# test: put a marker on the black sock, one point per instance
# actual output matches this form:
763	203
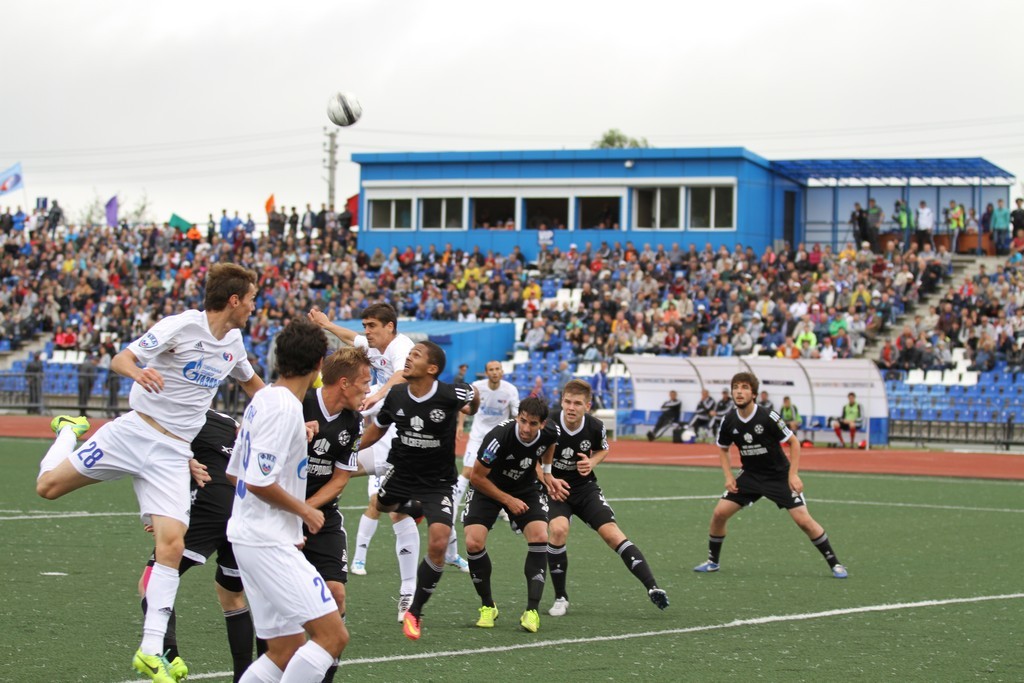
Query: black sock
329	676
715	547
535	569
825	548
558	566
480	572
636	563
240	636
427	577
170	636
261	647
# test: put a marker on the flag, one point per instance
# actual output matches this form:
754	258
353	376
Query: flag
270	204
180	223
112	211
10	179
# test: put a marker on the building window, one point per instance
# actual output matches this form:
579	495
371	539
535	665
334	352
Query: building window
391	214
711	208
600	213
657	207
550	212
441	213
494	213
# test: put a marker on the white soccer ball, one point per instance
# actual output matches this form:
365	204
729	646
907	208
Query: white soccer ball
343	109
689	436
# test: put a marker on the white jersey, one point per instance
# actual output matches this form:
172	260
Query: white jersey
384	365
270	448
496	406
192	362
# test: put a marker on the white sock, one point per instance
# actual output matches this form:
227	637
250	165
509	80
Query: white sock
160	593
263	670
407	548
308	665
453	547
367	528
63	446
460	490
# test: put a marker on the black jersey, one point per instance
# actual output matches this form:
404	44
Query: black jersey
705	406
335	445
759	440
212	446
591	436
723	406
424	449
512	463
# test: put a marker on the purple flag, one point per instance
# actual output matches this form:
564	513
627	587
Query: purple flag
112	212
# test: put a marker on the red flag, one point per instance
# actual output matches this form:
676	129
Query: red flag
270	204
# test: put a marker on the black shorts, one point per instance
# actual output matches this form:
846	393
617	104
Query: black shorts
327	550
208	528
437	503
482	509
753	487
587	503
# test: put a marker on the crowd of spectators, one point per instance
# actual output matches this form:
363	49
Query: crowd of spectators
95	288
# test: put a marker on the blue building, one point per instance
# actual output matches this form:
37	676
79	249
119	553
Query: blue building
721	196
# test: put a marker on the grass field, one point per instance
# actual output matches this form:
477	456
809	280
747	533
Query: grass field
934	592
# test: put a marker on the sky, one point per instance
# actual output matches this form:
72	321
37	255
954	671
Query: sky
201	106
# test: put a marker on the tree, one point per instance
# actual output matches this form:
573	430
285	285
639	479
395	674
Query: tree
613	138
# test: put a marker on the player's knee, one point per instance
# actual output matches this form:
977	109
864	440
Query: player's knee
169	550
336	640
557	535
474	544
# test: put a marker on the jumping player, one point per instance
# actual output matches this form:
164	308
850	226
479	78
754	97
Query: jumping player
758	434
332	411
289	599
504	477
421	465
185	358
582	445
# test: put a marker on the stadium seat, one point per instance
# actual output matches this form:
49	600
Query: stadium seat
968	379
933	377
915	377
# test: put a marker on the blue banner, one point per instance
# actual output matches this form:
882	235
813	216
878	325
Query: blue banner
10	179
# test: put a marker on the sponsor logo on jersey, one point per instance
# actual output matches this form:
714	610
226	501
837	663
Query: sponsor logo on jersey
321	446
490	453
747	437
416	423
196	373
227	356
540	450
302	468
149	341
437	415
585	445
266	462
758	429
525	463
344	438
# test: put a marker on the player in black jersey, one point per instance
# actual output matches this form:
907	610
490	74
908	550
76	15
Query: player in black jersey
582	444
766	472
421	465
331	413
207	532
504	477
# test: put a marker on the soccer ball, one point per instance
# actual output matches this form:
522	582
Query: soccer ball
343	109
689	436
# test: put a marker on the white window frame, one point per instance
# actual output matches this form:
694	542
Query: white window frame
659	187
392	200
714	186
444	211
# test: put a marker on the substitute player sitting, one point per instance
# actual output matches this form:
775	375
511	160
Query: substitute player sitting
504	477
288	597
583	444
766	473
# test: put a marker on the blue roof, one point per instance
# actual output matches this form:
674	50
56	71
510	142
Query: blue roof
973	169
645	153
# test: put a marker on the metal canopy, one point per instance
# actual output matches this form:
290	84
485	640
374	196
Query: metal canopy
885	171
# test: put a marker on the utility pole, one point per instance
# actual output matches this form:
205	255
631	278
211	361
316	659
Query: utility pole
331	162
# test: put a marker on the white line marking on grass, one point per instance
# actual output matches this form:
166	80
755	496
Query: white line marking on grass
757	621
52	574
922	506
69	515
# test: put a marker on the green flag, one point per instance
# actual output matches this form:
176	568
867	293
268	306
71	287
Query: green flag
179	223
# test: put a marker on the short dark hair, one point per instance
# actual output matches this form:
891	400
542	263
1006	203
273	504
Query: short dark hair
225	280
383	312
435	355
345	362
299	347
578	386
747	378
531	405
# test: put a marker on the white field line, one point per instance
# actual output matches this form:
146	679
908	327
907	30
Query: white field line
655	499
757	621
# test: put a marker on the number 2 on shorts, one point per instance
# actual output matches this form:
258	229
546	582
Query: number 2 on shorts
324	594
90	454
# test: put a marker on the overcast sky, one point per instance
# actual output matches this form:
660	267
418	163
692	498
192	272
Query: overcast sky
217	104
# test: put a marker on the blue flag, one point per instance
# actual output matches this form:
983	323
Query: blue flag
10	179
112	211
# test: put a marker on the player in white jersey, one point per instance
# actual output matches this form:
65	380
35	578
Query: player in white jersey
499	401
286	594
184	357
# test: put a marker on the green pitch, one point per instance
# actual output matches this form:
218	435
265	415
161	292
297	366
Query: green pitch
913	546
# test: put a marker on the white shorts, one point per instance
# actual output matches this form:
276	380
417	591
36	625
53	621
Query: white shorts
283	588
374	460
472	447
157	463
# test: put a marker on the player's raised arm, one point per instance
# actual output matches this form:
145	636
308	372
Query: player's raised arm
343	333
